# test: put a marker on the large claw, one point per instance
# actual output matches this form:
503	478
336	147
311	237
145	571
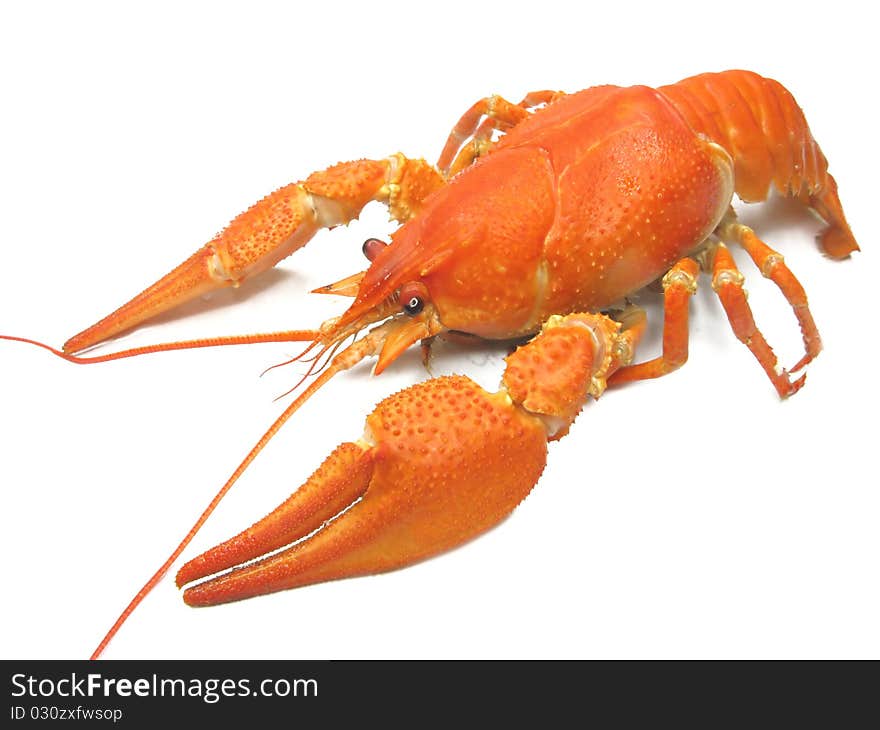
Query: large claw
439	463
271	230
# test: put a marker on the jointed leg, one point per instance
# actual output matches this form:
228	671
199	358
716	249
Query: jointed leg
727	282
772	266
472	135
679	284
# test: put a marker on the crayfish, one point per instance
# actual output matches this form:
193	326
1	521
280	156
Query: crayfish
541	219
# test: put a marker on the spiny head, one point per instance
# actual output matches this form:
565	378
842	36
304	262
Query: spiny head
392	291
469	261
405	286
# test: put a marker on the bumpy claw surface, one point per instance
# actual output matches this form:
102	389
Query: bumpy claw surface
271	230
439	463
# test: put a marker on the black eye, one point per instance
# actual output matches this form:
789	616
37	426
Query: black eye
372	247
413	297
413	305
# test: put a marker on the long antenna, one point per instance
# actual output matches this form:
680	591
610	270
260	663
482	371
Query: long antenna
285	336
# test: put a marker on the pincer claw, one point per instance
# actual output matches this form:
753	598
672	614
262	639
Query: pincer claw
269	231
448	461
440	463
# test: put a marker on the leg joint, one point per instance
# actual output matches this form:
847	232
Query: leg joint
725	277
680	278
770	263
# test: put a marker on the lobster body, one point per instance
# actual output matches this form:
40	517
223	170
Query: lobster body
574	209
599	194
579	205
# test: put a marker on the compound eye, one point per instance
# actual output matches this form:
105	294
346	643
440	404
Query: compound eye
413	305
413	297
372	247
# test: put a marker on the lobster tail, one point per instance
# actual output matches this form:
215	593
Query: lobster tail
760	124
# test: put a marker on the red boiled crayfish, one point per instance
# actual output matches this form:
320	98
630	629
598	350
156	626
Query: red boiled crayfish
539	217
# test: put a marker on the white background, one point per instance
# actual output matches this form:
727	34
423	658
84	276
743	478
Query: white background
693	516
